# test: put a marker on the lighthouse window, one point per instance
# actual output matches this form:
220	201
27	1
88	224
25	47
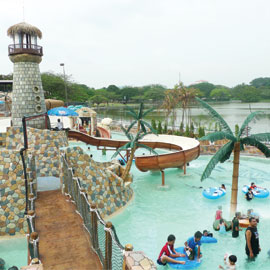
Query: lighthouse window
36	89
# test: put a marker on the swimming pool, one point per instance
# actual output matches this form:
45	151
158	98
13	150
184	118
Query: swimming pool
13	250
181	209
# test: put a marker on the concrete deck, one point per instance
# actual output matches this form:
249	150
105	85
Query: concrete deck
64	243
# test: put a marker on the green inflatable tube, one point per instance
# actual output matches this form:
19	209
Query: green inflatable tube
228	225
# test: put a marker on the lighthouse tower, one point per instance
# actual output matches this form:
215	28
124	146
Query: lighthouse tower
27	94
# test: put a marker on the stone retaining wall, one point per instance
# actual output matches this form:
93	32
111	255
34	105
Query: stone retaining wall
44	144
212	149
2	139
12	193
105	188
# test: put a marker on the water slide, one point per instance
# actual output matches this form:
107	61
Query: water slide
104	133
182	149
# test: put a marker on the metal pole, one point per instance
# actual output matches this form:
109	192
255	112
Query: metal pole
63	65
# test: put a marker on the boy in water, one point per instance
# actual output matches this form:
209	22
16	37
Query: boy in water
252	185
168	253
207	234
230	265
193	246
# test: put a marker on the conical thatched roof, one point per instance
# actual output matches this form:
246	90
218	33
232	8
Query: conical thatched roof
25	28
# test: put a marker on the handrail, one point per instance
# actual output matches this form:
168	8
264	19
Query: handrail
25	48
102	244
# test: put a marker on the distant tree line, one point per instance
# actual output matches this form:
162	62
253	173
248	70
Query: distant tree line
54	87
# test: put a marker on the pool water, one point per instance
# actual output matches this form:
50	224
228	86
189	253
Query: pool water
180	209
13	251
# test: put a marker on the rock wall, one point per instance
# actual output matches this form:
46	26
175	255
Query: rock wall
44	144
28	96
212	149
105	188
12	193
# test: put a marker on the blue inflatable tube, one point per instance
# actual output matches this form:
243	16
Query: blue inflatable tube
188	265
213	193
258	192
208	239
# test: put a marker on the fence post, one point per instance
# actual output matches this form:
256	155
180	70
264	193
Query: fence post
94	226
108	247
30	218
33	239
128	247
31	201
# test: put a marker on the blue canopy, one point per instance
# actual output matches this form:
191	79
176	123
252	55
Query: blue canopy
62	111
2	102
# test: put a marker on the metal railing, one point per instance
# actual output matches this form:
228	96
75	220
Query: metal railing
102	234
25	48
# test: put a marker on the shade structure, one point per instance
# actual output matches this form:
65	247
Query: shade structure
62	111
86	112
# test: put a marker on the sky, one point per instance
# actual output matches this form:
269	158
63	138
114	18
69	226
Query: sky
141	42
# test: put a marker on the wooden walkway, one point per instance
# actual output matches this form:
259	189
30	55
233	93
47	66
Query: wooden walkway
63	242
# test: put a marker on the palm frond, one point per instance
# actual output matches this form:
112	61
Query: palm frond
228	154
131	125
147	147
219	135
252	141
128	135
148	111
149	126
134	114
215	115
142	126
221	154
143	135
248	120
140	114
261	136
122	148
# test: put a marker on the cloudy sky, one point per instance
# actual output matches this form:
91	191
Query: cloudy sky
139	42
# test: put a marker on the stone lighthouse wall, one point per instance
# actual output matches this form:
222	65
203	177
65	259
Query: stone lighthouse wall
28	97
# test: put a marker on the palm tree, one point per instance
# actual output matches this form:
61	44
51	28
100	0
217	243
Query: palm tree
236	143
138	118
133	144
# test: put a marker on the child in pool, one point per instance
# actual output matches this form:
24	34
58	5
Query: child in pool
168	253
230	264
207	234
193	246
222	226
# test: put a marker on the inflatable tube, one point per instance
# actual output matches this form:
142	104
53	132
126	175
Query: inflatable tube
258	192
228	225
213	193
188	265
208	239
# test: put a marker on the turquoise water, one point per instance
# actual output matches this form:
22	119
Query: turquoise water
14	251
180	209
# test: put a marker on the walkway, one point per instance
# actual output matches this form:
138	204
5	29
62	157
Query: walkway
64	243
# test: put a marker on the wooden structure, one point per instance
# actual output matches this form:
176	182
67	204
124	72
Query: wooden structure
63	243
176	159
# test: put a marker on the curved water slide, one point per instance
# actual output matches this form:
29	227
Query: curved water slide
104	133
182	149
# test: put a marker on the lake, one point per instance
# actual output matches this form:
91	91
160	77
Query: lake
232	112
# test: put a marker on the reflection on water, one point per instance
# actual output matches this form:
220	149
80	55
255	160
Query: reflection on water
233	113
